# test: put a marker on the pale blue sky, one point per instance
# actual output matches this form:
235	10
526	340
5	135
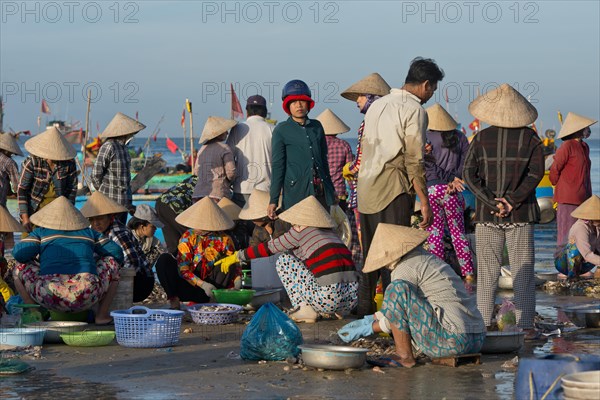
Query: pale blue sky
194	49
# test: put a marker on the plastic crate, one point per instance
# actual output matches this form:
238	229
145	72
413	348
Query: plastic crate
144	327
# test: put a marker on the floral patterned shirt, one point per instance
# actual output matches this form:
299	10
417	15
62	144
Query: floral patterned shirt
197	254
179	197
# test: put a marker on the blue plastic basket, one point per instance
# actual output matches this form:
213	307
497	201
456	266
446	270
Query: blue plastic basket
144	327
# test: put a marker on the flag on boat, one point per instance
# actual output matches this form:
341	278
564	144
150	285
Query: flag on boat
236	107
560	117
172	146
183	119
45	107
474	126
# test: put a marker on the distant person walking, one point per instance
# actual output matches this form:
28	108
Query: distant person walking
570	172
504	165
391	170
251	145
111	174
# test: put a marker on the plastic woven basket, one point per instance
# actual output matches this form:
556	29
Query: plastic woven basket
144	327
206	317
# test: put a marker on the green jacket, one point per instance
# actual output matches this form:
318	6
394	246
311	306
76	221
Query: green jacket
295	151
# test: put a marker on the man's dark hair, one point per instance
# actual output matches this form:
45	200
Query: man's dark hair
424	69
255	109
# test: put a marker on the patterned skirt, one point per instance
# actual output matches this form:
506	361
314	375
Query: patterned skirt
570	262
411	313
67	292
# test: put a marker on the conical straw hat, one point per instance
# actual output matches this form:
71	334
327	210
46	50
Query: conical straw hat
574	123
589	209
8	223
100	204
309	212
51	145
231	209
373	84
332	124
439	119
390	243
503	107
60	214
121	125
205	215
9	143
214	127
256	206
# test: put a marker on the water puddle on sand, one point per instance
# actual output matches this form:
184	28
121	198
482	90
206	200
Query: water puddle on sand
38	385
505	389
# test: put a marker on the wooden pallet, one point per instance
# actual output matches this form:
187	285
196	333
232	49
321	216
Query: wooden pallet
455	361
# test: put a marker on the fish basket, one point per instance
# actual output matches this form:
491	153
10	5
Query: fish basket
215	313
144	327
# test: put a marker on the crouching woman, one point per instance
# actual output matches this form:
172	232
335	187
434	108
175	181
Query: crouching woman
319	276
426	302
68	276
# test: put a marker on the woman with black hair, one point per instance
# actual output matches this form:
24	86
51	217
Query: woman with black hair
446	149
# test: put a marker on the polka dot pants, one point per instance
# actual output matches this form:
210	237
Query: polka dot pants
448	210
302	288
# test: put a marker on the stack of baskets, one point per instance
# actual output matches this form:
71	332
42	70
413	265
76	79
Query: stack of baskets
202	313
144	327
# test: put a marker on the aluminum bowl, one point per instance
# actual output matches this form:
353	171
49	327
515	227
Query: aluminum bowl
55	328
587	316
547	211
333	357
503	342
547	276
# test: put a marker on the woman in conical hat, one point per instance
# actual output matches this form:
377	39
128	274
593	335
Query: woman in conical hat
102	213
191	274
570	172
581	253
265	228
9	172
443	172
67	278
47	173
111	174
7	225
319	276
426	303
215	166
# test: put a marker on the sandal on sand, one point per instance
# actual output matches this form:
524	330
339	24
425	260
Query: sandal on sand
384	362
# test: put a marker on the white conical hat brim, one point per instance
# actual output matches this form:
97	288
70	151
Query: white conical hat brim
390	243
440	119
8	223
122	125
589	209
205	215
100	204
574	123
61	215
231	209
51	145
214	127
372	84
332	124
9	143
256	206
503	107
308	212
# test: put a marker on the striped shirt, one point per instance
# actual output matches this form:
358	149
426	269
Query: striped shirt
65	252
111	174
507	163
456	310
9	174
325	256
36	176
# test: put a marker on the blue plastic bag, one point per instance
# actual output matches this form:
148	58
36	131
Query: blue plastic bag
271	335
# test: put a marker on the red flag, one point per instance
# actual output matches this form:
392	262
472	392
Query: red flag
474	126
172	146
26	132
236	107
154	137
183	119
45	107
